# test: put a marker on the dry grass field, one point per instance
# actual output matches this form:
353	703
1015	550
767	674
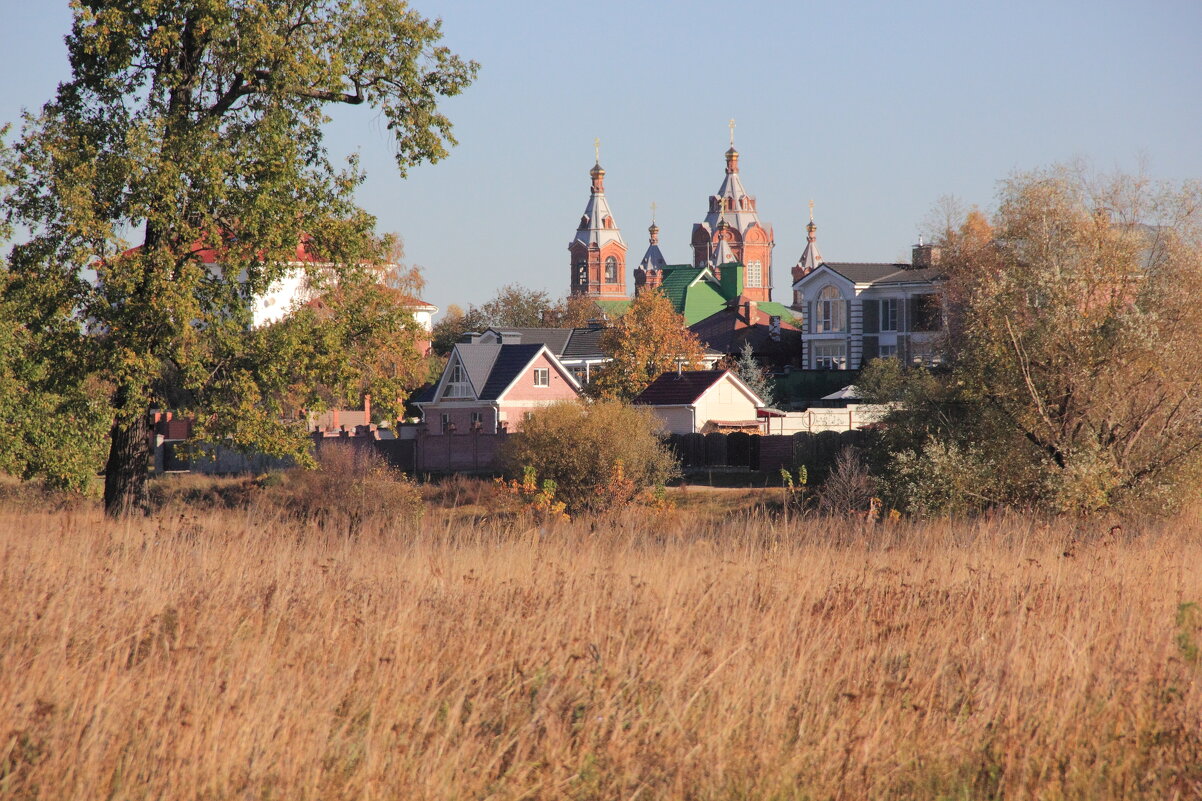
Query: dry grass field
237	654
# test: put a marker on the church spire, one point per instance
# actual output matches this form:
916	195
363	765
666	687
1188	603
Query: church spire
653	259
598	254
733	232
811	257
649	273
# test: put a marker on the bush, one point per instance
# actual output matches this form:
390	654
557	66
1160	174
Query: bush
849	488
942	480
600	455
352	490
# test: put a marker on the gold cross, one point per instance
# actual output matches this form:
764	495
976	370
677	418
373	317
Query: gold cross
811	211
732	131
653	212
597	148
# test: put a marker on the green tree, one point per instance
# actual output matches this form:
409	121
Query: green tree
600	455
648	340
194	125
514	306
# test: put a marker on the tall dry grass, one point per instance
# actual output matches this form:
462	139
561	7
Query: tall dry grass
233	654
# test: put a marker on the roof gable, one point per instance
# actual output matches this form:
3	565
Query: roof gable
512	362
686	388
477	360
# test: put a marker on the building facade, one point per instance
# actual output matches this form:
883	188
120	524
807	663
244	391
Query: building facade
855	312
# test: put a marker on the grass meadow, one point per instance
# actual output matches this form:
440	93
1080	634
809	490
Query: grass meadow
712	652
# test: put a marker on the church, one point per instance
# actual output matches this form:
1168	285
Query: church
845	314
730	233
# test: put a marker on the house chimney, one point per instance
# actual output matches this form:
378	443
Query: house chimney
334	419
367	409
923	256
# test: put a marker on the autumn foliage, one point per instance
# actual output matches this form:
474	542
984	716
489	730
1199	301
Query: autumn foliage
648	340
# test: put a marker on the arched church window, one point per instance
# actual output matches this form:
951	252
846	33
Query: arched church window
831	315
611	270
581	268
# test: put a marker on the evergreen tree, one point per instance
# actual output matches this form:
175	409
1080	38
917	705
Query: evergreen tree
754	376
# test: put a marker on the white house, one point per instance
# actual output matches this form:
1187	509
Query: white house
855	312
703	401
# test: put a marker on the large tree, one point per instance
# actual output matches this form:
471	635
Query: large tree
645	342
194	127
1076	377
514	306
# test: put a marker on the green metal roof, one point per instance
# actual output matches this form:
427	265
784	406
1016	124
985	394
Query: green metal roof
779	309
613	308
693	292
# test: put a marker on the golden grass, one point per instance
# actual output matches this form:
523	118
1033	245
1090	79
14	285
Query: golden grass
233	654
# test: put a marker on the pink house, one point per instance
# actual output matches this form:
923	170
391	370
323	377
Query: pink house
491	387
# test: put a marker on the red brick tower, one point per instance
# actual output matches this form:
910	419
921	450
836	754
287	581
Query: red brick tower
598	254
732	231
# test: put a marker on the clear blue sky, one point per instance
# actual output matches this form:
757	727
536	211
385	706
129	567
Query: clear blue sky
873	109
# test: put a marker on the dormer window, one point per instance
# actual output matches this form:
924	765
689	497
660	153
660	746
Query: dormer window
458	385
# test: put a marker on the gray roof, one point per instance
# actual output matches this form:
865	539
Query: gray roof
556	339
876	273
509	364
584	343
492	368
593	230
478	361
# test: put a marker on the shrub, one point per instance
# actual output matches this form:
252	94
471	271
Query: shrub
848	488
353	489
600	455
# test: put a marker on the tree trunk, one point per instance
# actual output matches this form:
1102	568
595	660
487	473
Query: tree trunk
125	473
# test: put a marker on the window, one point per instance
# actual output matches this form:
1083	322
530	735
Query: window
458	385
887	351
477	421
755	274
830	314
830	356
542	376
611	270
579	374
446	422
889	314
582	272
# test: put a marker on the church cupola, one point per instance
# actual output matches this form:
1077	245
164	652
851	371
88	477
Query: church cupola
649	273
732	231
598	254
811	257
